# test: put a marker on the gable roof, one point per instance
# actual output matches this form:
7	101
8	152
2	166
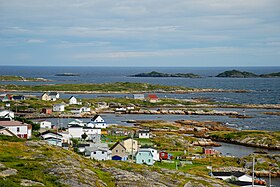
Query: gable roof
12	123
72	97
144	131
152	96
49	132
95	117
6	129
115	145
53	93
224	174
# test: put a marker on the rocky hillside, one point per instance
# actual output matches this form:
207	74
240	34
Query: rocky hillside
34	163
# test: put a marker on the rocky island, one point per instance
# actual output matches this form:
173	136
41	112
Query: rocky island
237	74
244	74
158	74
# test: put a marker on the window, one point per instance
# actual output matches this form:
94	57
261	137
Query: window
149	160
117	151
143	161
18	129
94	152
103	152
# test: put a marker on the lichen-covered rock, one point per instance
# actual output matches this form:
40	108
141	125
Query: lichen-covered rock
25	182
8	172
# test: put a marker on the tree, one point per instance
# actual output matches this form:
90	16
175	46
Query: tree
84	136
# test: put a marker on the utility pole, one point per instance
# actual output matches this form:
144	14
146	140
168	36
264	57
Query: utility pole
132	147
253	174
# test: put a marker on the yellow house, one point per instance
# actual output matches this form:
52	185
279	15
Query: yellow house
45	97
127	143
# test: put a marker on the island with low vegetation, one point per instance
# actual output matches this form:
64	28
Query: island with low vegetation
14	78
237	74
158	74
271	75
117	87
244	74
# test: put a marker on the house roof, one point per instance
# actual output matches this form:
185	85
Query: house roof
12	123
75	126
59	105
90	128
95	117
224	174
72	97
52	138
53	93
152	96
18	97
227	174
115	145
238	173
244	183
6	129
144	131
49	132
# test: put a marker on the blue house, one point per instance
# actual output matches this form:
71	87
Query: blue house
144	157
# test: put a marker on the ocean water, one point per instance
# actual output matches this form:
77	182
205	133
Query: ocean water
263	90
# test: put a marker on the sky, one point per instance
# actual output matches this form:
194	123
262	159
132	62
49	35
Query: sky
187	33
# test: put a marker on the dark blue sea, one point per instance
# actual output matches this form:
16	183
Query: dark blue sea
262	90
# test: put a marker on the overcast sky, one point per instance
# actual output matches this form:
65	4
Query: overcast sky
140	32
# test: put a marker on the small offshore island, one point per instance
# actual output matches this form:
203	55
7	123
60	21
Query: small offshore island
245	74
158	74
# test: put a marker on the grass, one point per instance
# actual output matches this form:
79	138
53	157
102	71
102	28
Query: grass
105	87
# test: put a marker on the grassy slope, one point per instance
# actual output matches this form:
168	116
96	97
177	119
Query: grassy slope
106	87
46	164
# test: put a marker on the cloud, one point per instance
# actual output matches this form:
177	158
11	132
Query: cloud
121	29
35	41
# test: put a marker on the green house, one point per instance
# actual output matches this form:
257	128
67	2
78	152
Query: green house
144	157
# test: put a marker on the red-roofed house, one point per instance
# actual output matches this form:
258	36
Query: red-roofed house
22	130
153	98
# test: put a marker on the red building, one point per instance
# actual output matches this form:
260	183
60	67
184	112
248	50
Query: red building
47	110
163	155
208	151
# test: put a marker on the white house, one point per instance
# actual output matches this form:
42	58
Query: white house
98	122
80	110
236	176
7	114
76	131
22	130
59	108
99	151
139	96
54	95
73	100
144	133
6	131
153	151
44	124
